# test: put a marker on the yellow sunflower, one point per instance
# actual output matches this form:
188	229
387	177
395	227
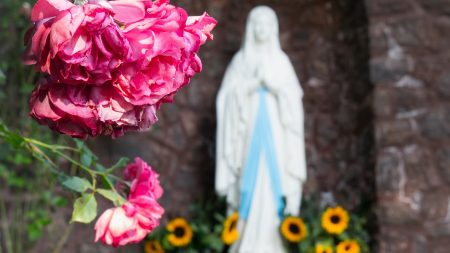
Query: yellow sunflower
180	232
320	248
230	233
348	246
153	246
293	229
335	220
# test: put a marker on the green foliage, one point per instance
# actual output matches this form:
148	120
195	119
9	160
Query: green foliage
39	220
113	196
33	160
84	208
29	189
81	173
77	184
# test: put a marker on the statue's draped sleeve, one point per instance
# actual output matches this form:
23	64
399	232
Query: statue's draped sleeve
228	146
292	116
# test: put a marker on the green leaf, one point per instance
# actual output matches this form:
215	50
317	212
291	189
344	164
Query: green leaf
121	163
77	184
86	159
79	143
111	195
86	155
84	209
14	139
100	167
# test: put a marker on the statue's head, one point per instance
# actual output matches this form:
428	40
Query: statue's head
263	24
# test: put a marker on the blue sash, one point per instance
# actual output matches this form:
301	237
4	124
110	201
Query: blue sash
261	141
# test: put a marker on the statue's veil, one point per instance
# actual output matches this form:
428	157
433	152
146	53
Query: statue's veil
272	46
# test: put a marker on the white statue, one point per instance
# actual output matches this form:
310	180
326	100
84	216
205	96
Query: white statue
261	164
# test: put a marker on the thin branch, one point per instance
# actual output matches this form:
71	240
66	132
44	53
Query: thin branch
63	239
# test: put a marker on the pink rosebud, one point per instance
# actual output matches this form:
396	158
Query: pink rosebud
76	43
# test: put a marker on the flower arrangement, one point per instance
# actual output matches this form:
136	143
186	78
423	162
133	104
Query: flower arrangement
206	231
325	229
330	229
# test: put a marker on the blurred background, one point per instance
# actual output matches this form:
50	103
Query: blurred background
376	78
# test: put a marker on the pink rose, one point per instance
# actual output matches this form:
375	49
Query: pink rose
165	42
158	31
110	64
76	43
144	180
66	109
148	211
117	116
87	110
131	222
150	84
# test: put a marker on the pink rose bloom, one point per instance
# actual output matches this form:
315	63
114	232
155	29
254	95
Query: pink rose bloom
66	109
110	64
165	42
76	43
131	222
117	116
156	30
144	180
87	110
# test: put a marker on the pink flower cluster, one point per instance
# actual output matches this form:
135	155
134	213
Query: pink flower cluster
131	222
110	64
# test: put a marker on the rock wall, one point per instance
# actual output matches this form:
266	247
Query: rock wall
410	63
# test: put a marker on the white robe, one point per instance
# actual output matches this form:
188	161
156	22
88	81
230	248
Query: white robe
236	112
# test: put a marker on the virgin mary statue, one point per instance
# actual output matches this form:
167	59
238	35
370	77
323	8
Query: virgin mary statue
260	163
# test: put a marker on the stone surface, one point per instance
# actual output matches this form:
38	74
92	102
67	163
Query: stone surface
409	68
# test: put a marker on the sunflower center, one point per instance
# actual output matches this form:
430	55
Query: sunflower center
347	248
232	226
152	246
335	219
294	229
179	232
